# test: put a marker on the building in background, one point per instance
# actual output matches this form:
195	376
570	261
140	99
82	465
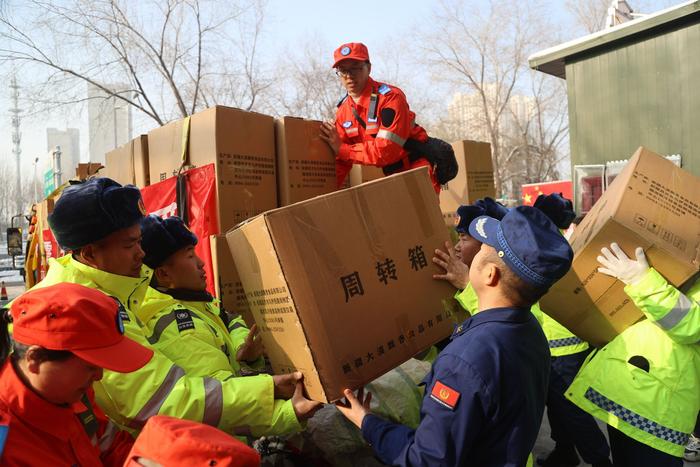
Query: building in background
109	122
69	142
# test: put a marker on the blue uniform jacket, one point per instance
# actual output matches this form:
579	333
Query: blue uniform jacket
484	397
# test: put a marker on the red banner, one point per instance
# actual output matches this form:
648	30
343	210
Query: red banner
200	183
532	190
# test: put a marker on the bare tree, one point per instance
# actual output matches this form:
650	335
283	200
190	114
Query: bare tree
309	88
589	14
535	146
172	55
483	53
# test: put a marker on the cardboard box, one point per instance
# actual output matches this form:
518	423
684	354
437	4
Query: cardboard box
341	285
142	176
119	165
85	170
128	164
305	163
227	283
360	174
473	181
165	147
652	204
240	144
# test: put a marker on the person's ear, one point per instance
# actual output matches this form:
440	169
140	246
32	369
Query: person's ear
492	275
87	255
32	356
369	67
162	276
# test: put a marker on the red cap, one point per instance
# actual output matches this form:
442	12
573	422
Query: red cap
81	320
174	442
351	51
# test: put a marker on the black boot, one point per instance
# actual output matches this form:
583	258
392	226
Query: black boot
560	457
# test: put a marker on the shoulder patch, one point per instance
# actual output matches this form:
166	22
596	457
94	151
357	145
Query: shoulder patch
444	395
342	99
183	317
383	89
123	315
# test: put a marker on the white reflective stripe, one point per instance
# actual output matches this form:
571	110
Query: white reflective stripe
393	137
152	407
213	401
372	127
351	130
677	313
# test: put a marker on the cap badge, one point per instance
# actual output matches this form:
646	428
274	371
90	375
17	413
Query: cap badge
345	51
480	227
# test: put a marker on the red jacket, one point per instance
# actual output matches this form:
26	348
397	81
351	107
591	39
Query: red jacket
381	142
38	432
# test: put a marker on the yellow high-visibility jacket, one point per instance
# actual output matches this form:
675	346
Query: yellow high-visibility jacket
164	387
646	381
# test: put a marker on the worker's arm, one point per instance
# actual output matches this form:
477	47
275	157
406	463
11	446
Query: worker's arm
676	313
447	430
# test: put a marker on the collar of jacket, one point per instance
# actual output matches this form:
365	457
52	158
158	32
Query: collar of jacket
512	315
187	295
32	409
128	290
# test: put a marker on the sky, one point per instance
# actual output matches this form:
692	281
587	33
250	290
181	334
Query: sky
287	23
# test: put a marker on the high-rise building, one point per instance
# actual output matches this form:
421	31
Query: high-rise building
69	142
469	119
109	121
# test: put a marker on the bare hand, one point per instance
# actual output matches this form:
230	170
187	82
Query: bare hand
252	348
303	408
355	408
330	136
285	385
456	272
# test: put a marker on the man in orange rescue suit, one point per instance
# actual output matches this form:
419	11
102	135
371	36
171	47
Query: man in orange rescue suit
373	120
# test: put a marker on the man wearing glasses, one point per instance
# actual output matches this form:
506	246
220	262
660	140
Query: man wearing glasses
373	122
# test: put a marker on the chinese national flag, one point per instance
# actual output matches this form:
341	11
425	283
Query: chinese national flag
532	190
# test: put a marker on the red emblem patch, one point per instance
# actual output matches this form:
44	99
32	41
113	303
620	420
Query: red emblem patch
445	395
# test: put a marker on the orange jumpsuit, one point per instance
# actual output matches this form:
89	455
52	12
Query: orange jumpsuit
37	432
387	129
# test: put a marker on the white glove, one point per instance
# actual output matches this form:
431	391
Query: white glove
616	264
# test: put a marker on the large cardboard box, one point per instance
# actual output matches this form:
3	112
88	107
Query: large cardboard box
341	285
119	165
305	163
227	283
128	164
653	204
474	179
360	174
165	150
240	144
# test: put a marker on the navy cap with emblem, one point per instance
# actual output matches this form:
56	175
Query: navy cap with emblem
90	211
559	209
528	242
160	238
